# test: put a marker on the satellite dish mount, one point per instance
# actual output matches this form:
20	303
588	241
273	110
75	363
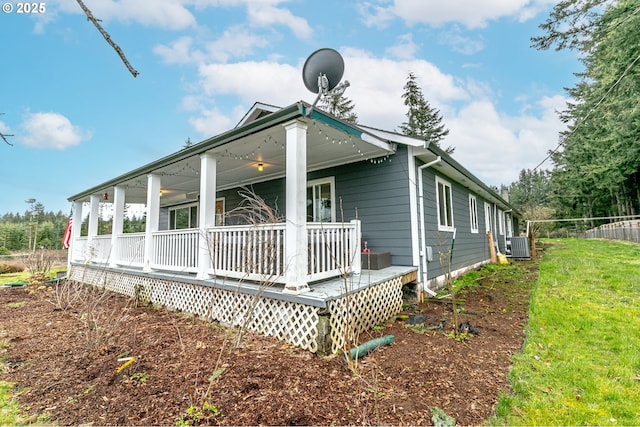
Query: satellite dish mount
321	74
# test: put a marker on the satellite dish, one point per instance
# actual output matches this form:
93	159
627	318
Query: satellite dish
323	70
321	74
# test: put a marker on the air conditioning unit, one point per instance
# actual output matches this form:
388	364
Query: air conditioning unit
518	247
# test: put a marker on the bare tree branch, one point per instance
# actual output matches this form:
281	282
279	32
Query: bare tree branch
5	135
107	37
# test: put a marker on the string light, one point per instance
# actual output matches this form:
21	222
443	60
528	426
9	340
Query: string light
352	141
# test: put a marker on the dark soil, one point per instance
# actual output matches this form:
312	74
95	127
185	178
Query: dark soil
64	364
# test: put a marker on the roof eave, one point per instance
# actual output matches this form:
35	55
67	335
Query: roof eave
281	116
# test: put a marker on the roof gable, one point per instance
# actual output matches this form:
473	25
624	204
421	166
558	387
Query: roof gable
257	111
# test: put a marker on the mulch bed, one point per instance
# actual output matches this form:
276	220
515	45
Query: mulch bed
64	364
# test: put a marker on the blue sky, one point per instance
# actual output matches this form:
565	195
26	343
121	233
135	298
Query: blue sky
79	118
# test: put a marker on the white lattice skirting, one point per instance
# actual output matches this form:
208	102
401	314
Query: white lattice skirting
357	312
293	322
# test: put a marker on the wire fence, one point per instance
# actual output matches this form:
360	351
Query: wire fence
622	230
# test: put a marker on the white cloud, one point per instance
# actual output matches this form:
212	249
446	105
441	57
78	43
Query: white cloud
4	128
405	48
169	14
211	122
51	130
235	42
471	14
376	86
178	52
253	81
496	146
373	15
265	15
460	43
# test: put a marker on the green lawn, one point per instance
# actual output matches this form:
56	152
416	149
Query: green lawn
581	362
23	276
9	409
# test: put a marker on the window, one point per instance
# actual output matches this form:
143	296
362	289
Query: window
183	217
186	216
473	213
509	221
445	205
488	218
320	200
219	212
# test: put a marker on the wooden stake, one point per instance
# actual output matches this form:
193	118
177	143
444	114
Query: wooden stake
492	249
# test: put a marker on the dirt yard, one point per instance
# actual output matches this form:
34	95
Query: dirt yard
68	365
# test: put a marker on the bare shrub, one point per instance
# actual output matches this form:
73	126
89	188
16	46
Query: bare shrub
255	211
64	295
11	267
101	316
40	261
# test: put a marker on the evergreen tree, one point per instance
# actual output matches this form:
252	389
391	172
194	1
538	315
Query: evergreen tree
597	163
340	106
423	121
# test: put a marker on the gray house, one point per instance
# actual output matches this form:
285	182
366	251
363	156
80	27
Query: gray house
349	215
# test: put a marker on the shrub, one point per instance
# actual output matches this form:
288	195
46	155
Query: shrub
4	251
11	267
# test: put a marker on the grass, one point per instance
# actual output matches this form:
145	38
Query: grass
9	409
580	364
23	276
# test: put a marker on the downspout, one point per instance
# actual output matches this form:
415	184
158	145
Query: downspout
423	237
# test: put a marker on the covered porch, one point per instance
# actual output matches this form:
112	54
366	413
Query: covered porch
309	243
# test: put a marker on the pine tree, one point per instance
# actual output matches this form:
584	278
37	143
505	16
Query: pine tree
423	121
340	106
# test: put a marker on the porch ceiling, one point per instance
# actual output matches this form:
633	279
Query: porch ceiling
238	162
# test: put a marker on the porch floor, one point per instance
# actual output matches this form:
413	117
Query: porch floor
318	296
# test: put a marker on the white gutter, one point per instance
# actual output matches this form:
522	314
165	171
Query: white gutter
423	237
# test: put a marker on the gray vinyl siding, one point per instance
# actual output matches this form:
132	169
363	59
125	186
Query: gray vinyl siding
469	248
163	219
378	192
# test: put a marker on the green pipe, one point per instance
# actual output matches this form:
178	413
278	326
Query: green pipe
14	284
367	347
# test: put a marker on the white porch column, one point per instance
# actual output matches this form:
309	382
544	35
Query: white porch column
207	211
94	212
118	222
76	226
296	241
153	217
92	229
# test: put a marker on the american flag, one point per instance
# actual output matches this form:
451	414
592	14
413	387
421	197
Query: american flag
66	238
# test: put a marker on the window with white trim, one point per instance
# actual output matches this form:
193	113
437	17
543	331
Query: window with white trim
186	216
488	218
321	200
473	213
509	221
445	205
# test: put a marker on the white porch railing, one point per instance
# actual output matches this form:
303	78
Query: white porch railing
246	252
257	252
97	249
334	249
175	250
130	249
